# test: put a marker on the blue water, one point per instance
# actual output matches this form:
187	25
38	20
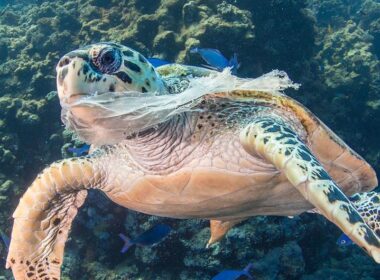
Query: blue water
330	47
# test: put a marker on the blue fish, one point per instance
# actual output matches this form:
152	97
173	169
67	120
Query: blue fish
5	239
157	62
80	151
344	240
216	59
234	274
151	236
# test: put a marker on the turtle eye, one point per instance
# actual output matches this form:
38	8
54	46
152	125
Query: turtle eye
108	60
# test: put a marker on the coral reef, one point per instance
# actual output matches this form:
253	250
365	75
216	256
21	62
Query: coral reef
358	71
347	68
330	46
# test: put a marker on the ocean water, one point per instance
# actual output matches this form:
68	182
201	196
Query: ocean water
330	47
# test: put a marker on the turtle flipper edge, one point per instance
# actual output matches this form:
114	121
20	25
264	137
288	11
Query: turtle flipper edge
219	229
43	218
272	140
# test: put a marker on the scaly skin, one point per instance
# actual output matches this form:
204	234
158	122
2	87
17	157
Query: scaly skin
238	155
43	218
273	140
368	205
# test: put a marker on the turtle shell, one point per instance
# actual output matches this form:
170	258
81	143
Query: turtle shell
348	169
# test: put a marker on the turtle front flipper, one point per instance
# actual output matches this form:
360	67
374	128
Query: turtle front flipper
274	141
43	218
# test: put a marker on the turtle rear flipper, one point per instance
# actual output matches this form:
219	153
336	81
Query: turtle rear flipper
271	139
368	205
43	218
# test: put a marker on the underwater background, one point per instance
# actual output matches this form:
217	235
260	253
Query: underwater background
331	47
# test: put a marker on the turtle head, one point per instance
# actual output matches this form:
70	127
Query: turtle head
104	67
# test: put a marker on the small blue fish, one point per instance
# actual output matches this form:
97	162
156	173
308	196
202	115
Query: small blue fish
344	240
234	274
151	236
157	62
80	151
5	239
216	59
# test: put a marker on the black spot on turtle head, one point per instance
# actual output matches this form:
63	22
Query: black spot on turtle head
64	61
128	53
134	67
143	89
62	75
86	68
142	59
124	77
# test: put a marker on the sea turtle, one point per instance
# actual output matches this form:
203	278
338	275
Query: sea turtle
186	142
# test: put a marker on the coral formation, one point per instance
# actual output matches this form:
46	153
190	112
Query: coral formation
331	47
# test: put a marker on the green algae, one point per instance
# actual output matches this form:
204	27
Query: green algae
347	59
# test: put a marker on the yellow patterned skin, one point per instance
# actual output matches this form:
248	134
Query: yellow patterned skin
273	140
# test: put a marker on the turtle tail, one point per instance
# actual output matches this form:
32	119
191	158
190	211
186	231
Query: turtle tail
43	218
